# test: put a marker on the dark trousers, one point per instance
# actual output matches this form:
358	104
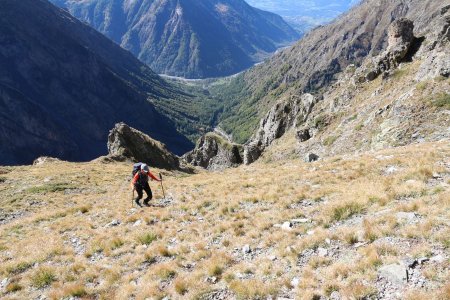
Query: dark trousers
143	187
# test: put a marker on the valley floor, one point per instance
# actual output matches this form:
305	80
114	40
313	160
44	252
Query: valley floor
368	225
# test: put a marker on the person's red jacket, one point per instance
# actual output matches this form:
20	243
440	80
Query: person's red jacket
141	173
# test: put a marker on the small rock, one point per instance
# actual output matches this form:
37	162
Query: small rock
422	260
406	216
335	296
303	135
137	223
359	244
246	249
114	223
436	176
410	262
310	157
212	279
286	226
295	281
322	252
438	258
328	241
272	257
304	220
290	249
391	170
310	232
396	273
4	283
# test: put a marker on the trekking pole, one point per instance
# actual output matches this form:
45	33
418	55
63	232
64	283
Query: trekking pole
162	187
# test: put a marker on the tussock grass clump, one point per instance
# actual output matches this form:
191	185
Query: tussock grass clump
165	272
13	287
441	101
116	243
252	289
344	211
43	277
180	286
75	290
147	238
19	268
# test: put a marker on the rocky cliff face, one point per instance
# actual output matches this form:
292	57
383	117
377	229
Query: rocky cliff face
214	152
191	38
283	116
63	86
125	142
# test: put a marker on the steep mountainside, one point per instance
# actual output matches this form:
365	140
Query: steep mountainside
312	63
63	86
391	100
189	38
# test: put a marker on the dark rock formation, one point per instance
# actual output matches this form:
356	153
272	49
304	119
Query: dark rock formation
190	38
303	135
310	157
125	142
63	85
213	152
283	116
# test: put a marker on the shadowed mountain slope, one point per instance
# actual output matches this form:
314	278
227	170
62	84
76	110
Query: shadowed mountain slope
63	86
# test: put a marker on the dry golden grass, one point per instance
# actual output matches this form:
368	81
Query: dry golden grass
62	242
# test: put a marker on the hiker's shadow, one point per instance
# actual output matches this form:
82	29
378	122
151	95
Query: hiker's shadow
156	205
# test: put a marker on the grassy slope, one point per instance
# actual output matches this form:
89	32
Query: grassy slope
60	241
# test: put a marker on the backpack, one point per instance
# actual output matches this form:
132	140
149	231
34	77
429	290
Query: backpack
136	168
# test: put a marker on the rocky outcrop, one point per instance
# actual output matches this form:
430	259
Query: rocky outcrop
283	116
213	152
44	160
400	40
125	143
436	59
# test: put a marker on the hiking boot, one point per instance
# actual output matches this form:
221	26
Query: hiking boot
138	203
146	201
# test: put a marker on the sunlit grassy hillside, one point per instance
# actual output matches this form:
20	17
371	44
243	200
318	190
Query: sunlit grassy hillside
273	229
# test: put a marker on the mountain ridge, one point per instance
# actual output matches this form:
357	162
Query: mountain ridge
191	38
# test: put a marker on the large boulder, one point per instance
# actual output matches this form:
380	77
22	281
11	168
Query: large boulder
125	142
214	152
400	42
283	116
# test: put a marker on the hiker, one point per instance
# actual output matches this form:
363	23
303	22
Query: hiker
140	184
